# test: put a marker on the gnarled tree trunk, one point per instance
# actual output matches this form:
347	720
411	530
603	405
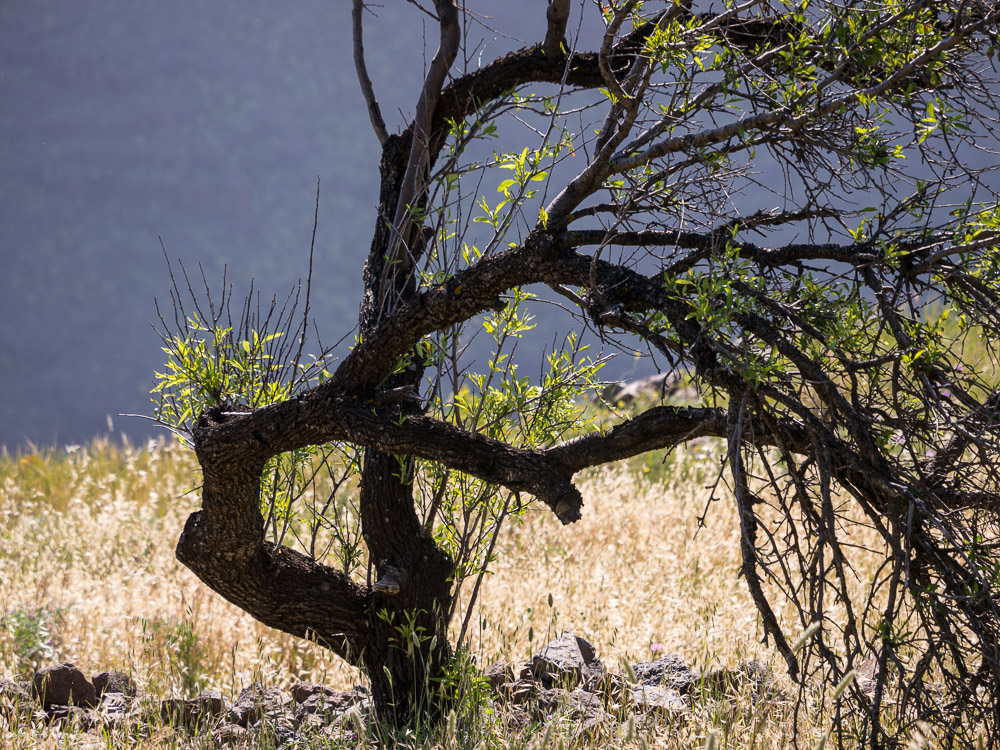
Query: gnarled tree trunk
877	411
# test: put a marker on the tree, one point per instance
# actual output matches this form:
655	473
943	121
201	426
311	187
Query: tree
789	203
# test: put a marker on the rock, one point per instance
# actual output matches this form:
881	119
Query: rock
670	672
750	675
14	699
660	386
586	709
327	701
80	718
115	710
113	703
302	691
499	675
63	685
560	663
115	682
580	706
519	692
324	707
666	702
228	734
310	722
195	712
255	702
587	649
515	719
866	676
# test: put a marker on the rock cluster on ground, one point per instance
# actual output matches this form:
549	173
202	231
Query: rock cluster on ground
566	678
662	386
110	700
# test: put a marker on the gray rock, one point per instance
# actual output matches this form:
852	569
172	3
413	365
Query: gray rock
228	734
80	718
115	682
653	699
14	699
519	692
670	672
63	685
660	386
255	702
197	711
753	675
113	703
515	719
302	691
560	663
499	675
581	707
587	649
322	708
116	710
586	709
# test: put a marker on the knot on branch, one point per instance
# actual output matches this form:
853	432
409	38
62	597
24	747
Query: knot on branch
391	579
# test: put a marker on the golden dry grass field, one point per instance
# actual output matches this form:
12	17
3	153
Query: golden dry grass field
87	574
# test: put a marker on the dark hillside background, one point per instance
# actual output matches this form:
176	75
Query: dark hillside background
204	123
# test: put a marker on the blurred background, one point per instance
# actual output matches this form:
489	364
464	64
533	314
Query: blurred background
204	124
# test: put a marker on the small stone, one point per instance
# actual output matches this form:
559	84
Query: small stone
516	719
753	675
324	707
302	691
194	712
498	675
670	672
228	734
113	703
586	710
664	701
519	692
115	682
14	699
255	702
63	685
587	650
80	718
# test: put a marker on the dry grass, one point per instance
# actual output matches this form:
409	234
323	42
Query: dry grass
88	575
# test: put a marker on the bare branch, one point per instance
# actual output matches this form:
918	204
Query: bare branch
417	165
374	113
